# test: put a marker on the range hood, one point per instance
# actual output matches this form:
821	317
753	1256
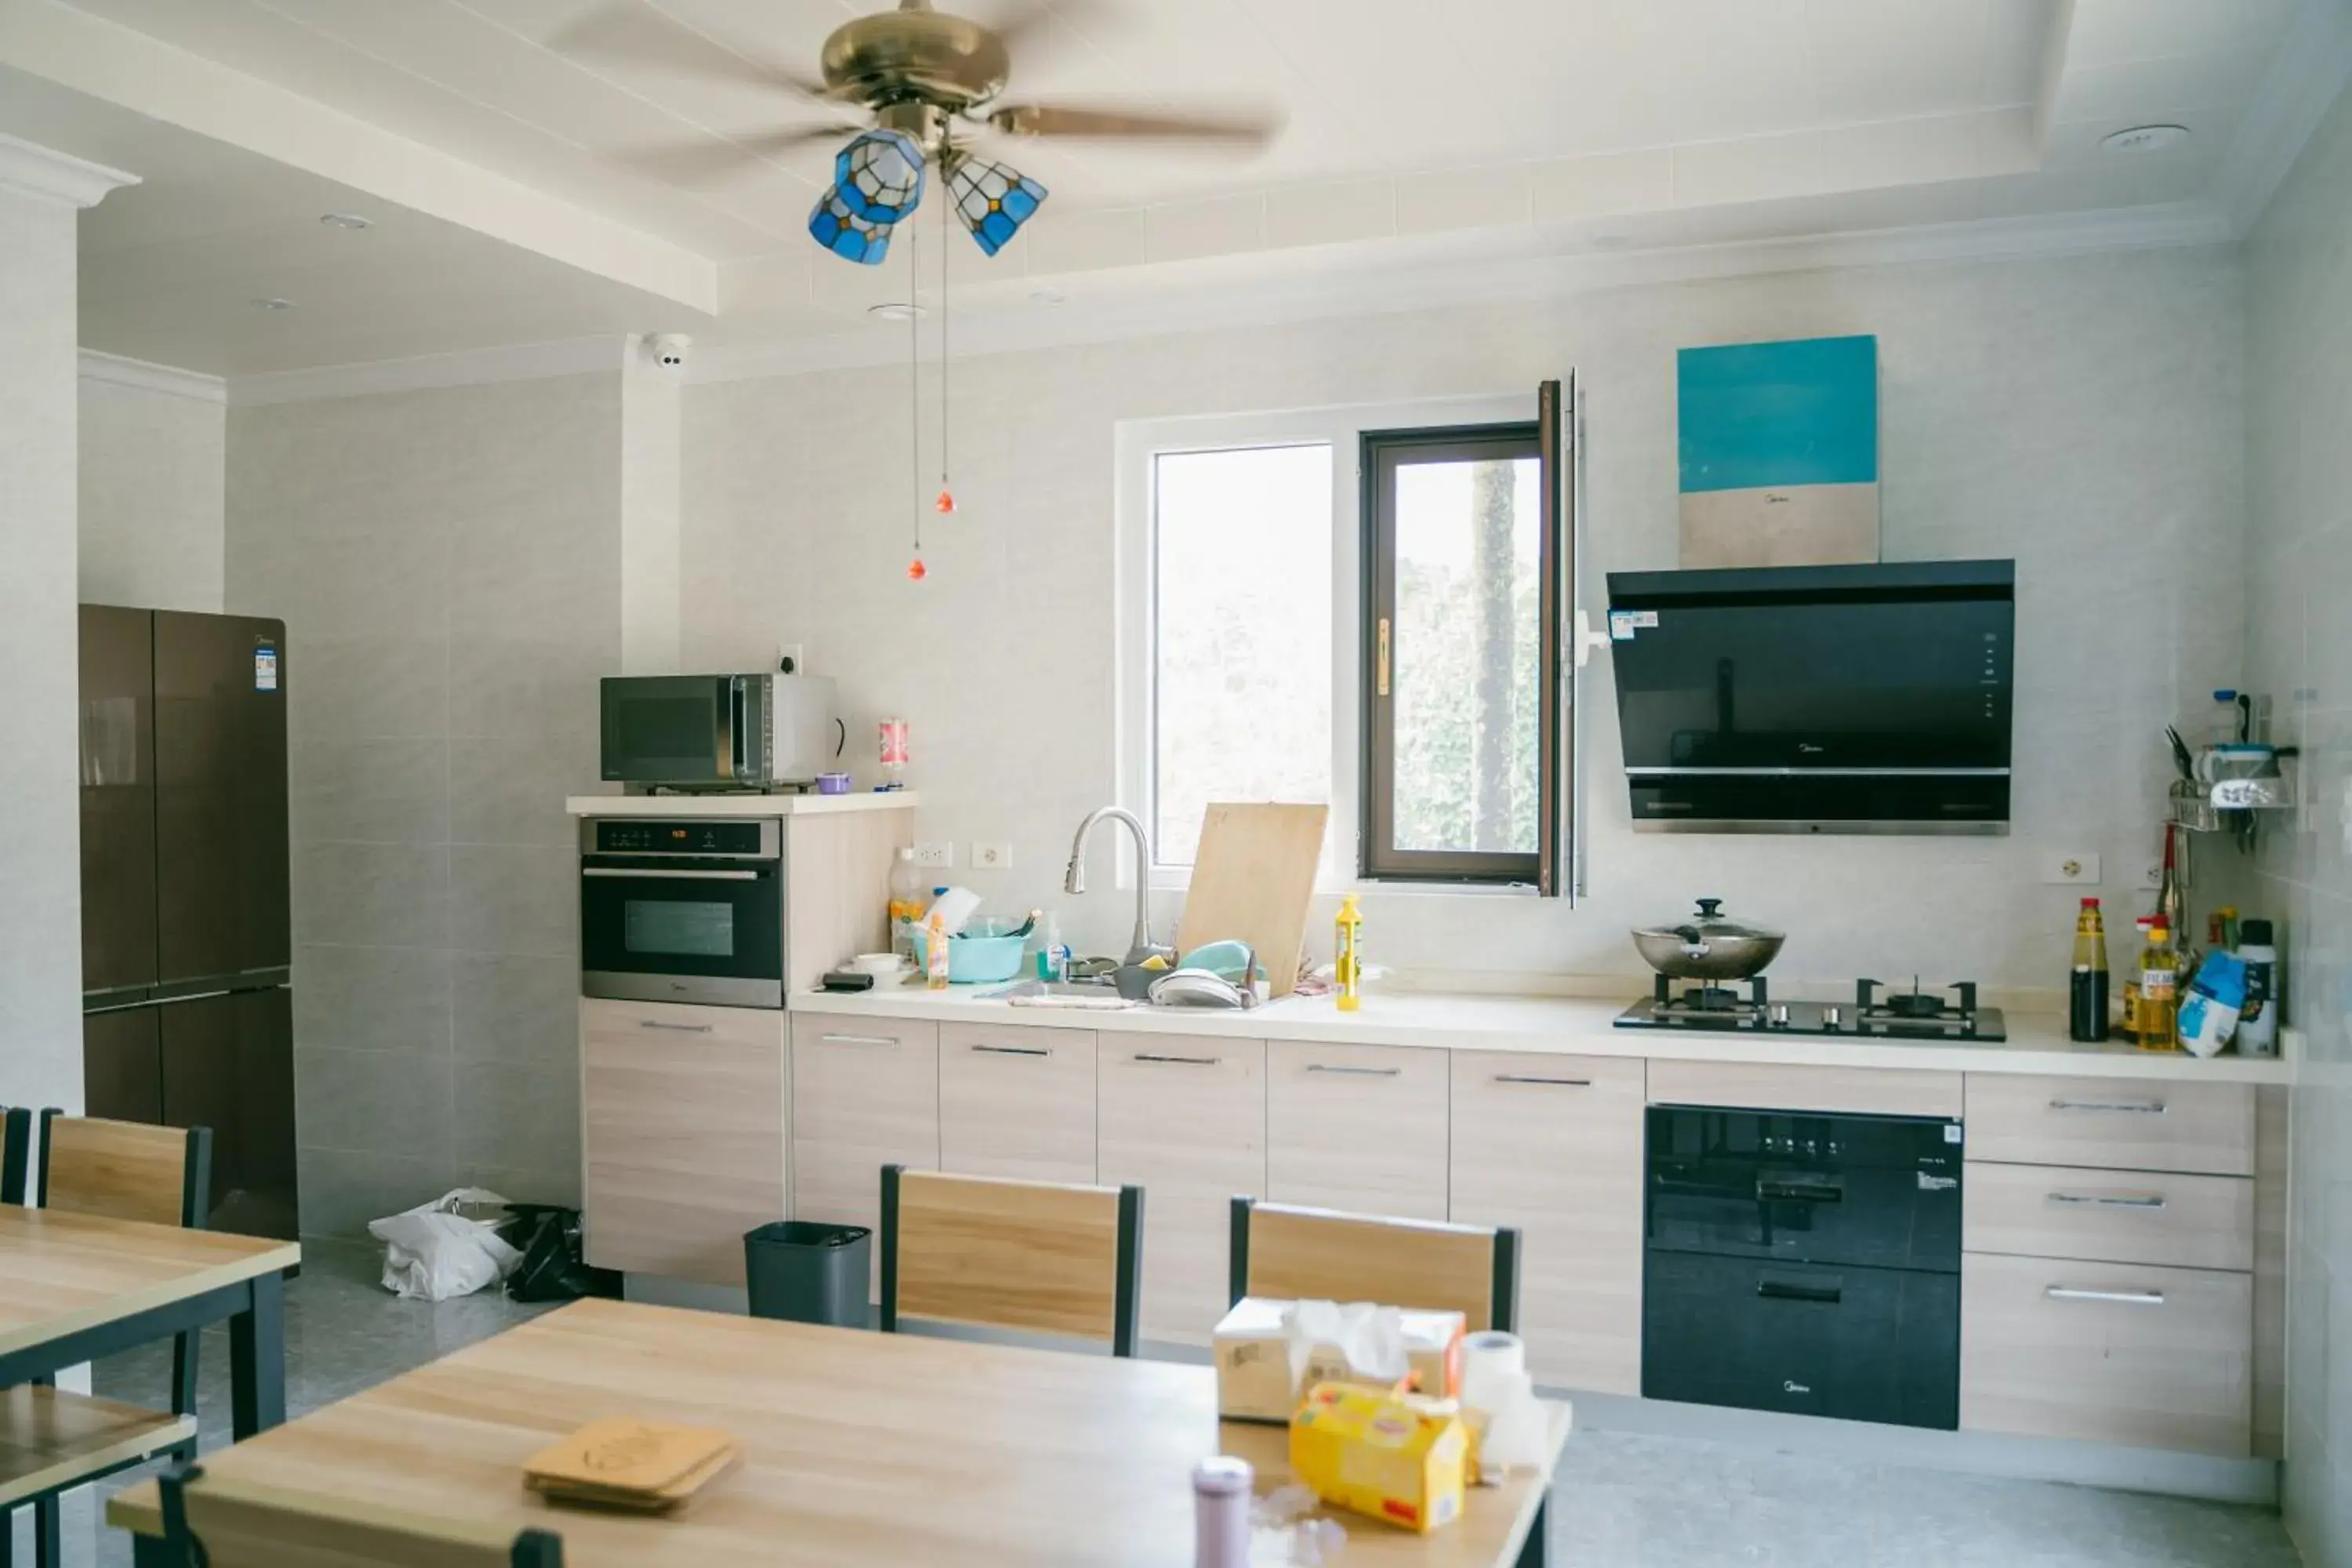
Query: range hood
1817	698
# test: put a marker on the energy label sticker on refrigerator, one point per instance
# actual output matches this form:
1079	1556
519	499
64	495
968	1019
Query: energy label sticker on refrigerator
1623	623
265	667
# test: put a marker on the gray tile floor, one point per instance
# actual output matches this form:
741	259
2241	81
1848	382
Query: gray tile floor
1623	1501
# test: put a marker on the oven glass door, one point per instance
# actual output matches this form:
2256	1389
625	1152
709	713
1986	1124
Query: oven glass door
704	931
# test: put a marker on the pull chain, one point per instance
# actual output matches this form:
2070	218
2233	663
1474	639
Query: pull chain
916	570
946	503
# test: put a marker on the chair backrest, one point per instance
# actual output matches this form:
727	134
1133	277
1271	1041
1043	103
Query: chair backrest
1038	1256
15	1152
245	1524
1300	1253
125	1170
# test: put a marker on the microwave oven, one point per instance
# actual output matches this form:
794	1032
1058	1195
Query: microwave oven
717	731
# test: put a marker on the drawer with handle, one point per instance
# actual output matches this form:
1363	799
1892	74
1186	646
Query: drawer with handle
2112	1216
658	1024
2124	1124
1017	1101
1363	1128
2152	1358
865	1094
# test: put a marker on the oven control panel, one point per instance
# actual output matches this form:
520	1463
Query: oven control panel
616	835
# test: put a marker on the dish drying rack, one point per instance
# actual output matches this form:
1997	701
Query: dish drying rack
2218	792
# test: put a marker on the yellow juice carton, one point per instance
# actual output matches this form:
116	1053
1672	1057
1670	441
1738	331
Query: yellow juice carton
1381	1455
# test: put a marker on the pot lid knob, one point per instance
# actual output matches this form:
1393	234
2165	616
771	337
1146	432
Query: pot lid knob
1710	908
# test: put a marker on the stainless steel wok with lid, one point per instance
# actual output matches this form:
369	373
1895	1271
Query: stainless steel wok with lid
1708	946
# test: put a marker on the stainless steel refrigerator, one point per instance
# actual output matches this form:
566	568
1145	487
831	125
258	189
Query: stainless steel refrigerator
186	952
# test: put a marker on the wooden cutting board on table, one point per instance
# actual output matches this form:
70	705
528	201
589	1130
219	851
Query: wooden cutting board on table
1252	878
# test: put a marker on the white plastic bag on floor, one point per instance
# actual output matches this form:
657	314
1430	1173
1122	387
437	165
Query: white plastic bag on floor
438	1250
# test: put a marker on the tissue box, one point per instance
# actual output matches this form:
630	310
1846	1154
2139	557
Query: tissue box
1385	1456
1263	1368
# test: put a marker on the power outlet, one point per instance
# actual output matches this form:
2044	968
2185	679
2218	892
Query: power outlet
991	857
936	856
2064	868
2152	878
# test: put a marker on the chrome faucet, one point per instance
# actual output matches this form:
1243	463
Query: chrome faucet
1073	879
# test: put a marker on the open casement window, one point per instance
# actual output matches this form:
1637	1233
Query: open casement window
1469	593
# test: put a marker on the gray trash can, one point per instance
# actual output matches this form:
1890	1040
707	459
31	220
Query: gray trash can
804	1272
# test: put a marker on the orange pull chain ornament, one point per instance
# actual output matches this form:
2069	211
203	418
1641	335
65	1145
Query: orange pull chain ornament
945	504
916	570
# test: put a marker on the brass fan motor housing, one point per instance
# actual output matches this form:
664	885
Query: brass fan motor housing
912	56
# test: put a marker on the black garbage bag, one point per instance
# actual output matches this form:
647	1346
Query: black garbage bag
553	1268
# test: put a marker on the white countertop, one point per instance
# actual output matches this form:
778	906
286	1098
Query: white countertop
2037	1042
739	804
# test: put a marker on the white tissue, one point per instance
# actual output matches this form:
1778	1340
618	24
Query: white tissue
1355	1341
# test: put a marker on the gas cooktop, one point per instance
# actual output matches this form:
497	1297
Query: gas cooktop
1948	1013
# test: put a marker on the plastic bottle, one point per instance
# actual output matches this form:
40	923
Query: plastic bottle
2087	1000
1042	940
2160	991
1221	1513
1347	954
2209	1013
2258	1021
935	953
892	750
906	904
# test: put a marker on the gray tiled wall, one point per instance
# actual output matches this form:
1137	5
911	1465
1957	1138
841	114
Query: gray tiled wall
2299	421
448	566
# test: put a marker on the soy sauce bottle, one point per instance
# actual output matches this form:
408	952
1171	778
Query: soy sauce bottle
2087	994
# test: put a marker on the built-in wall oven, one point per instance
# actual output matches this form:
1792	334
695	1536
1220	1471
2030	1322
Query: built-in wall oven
1807	1263
676	909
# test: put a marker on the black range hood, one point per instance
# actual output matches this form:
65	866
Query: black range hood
1817	698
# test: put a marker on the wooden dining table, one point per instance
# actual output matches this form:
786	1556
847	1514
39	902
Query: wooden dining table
75	1287
858	1448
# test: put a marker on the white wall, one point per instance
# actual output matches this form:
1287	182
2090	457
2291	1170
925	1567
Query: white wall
448	565
152	487
2299	411
40	918
2081	415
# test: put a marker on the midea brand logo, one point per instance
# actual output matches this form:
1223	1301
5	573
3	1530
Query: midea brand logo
1792	1385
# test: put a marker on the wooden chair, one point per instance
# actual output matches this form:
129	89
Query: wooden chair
51	1442
15	1152
1034	1256
213	1521
1301	1254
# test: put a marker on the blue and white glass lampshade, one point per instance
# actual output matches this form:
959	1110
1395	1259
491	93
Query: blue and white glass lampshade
878	180
992	200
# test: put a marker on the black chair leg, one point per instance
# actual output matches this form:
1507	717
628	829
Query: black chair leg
184	1373
1535	1553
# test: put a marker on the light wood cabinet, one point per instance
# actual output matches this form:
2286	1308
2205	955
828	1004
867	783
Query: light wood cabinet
1361	1128
1017	1101
1184	1116
1772	1086
2111	1216
2153	1358
683	1114
1552	1145
2123	1124
865	1094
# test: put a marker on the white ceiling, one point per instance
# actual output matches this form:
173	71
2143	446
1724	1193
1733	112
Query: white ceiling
526	184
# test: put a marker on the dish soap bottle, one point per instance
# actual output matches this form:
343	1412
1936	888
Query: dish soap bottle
2160	991
935	953
1347	954
2087	1000
905	903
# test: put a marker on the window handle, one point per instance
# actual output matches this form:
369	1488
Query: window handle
1380	673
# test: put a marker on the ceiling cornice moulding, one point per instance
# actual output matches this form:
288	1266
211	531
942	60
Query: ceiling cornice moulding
171	380
46	175
472	367
2305	80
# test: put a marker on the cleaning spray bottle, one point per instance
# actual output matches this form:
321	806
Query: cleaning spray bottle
1347	953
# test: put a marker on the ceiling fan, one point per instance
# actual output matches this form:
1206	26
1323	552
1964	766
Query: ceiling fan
926	81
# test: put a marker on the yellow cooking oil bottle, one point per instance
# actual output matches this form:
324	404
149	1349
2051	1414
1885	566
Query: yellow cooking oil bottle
2160	991
1348	958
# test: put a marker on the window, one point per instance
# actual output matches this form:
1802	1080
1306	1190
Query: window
1454	573
1241	671
1260	558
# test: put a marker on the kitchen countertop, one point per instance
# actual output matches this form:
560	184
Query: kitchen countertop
1561	1026
739	804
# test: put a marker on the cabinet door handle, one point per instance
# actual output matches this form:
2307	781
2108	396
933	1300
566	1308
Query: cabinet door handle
2103	1200
1354	1072
673	1028
2125	1297
2127	1107
1015	1050
1555	1082
883	1040
669	874
1178	1061
1781	1290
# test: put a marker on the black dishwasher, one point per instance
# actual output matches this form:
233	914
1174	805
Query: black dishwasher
1801	1262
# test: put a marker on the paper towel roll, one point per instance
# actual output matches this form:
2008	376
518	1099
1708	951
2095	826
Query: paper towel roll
1493	1369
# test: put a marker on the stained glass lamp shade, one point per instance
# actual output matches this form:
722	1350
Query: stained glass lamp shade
992	200
878	180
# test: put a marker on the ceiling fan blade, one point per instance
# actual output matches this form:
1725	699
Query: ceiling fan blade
635	34
704	162
1035	15
1049	119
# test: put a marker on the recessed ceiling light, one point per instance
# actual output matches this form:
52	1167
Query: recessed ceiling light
273	304
2146	139
897	311
345	220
